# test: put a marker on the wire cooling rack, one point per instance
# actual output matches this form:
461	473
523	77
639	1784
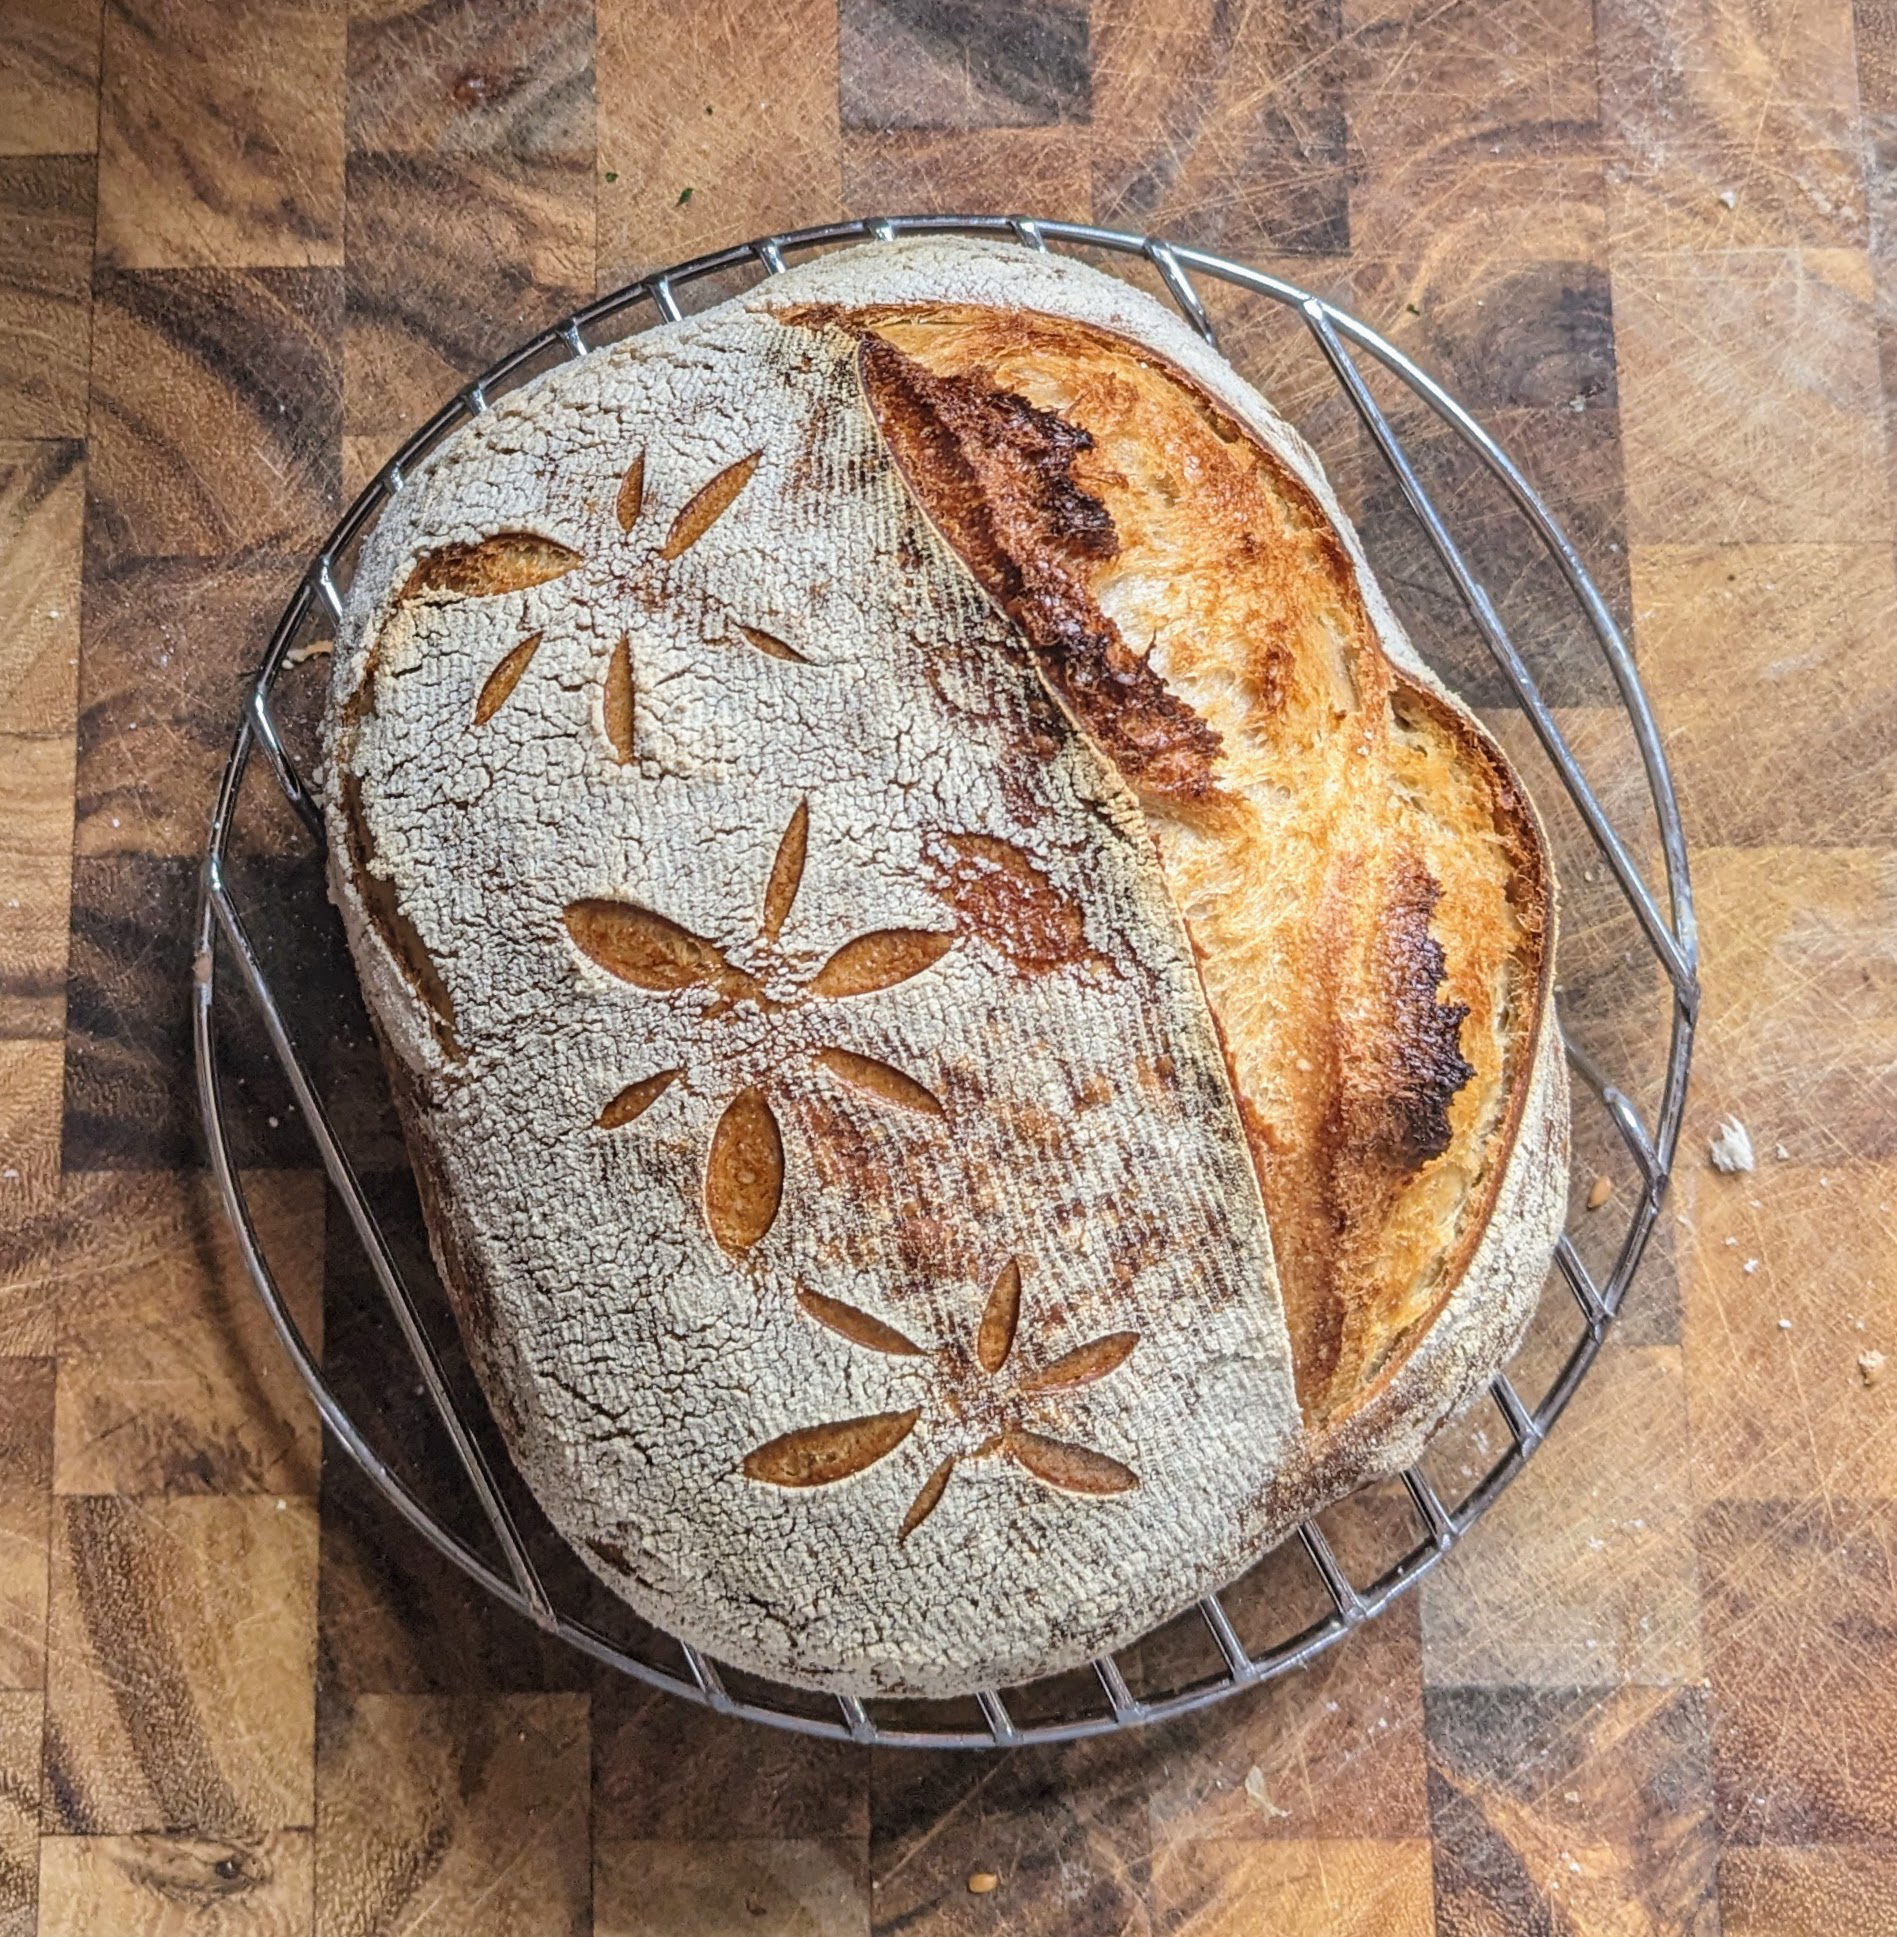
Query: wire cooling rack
513	1555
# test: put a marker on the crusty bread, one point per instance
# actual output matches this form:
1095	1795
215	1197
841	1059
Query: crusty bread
974	1025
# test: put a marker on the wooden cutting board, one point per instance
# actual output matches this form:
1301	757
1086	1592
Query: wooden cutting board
244	246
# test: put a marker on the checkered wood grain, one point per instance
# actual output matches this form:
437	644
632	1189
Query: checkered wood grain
244	246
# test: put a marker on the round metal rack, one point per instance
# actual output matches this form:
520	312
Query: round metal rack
1118	1692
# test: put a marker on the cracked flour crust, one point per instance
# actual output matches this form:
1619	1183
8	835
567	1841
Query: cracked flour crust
826	1141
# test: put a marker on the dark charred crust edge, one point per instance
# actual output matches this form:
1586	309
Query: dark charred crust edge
1404	1399
1433	1070
1352	1438
993	474
1408	1401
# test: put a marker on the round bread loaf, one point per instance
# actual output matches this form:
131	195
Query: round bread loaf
973	1025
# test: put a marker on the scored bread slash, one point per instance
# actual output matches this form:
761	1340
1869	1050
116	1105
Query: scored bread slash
973	1026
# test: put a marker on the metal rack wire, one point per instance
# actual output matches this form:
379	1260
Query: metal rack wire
1109	1701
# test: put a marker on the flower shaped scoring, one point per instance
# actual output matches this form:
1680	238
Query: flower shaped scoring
745	1165
761	1000
744	1168
985	1396
516	561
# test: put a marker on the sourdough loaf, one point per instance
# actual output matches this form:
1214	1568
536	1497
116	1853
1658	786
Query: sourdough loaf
973	1024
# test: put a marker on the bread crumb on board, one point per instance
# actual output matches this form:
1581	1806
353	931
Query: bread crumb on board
1870	1367
1601	1190
1731	1148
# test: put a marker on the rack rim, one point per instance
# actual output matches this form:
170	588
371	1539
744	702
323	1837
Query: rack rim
1671	934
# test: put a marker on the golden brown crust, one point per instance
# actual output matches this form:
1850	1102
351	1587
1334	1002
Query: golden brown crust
1527	888
509	561
998	478
1363	883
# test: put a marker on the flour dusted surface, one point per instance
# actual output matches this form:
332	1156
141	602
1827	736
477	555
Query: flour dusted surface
843	1186
1082	1133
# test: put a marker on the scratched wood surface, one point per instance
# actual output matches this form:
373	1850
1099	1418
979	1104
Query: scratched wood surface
246	244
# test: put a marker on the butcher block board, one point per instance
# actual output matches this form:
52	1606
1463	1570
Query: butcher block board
244	247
